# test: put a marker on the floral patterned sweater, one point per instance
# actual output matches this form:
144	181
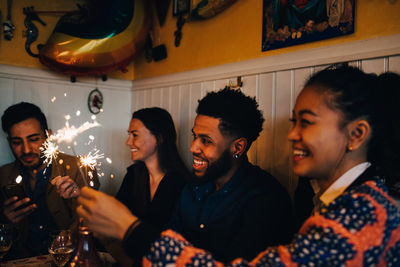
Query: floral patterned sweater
361	227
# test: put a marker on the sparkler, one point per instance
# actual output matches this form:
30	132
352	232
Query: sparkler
90	160
50	151
68	134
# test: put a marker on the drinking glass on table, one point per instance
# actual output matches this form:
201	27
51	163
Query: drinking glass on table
61	247
6	238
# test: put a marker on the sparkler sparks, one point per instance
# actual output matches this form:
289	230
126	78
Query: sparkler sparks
90	160
50	151
68	133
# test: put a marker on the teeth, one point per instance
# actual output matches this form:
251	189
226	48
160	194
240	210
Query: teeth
133	150
300	153
199	162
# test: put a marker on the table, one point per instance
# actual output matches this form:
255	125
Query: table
46	261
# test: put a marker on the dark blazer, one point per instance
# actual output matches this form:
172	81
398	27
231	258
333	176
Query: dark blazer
62	210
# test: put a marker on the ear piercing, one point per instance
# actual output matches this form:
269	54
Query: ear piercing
236	156
350	148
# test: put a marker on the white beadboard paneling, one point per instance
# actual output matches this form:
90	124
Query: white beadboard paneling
394	64
265	144
156	97
281	126
250	88
206	87
165	98
185	123
375	65
6	99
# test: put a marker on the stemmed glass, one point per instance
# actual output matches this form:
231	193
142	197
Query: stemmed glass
6	239
61	247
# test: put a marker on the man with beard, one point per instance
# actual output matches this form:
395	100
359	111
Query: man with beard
38	209
231	208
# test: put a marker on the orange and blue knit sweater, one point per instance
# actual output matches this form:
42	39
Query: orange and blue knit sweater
361	227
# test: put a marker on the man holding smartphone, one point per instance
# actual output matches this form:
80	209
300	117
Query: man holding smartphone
30	201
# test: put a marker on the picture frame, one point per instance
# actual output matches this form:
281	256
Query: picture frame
180	7
290	22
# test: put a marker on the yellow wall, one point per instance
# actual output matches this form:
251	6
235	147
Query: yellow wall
235	35
232	36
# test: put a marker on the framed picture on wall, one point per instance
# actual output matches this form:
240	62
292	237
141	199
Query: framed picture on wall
180	7
293	22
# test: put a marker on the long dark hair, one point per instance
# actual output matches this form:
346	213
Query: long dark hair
357	94
159	122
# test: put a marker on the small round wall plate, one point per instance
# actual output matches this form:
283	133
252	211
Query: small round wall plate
95	101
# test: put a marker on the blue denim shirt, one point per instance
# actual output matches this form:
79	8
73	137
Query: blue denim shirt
250	212
41	222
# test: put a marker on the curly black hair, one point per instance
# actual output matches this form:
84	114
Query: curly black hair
238	113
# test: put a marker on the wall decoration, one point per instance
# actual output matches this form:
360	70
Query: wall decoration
180	7
188	10
293	22
8	26
106	35
32	31
95	101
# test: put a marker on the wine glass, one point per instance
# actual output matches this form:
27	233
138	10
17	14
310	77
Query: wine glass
6	238
61	247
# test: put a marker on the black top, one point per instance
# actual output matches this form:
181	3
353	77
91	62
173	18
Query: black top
135	194
252	211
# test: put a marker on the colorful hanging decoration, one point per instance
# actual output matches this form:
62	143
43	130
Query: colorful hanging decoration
104	36
196	10
204	9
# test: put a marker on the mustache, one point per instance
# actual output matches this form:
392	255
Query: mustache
198	156
29	155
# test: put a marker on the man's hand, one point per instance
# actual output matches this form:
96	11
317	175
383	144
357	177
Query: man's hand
104	214
66	187
12	209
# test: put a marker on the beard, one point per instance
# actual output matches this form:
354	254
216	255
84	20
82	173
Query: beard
216	169
32	165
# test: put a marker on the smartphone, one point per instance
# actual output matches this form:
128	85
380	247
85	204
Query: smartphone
16	190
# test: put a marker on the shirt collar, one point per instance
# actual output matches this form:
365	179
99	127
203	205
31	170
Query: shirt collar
341	184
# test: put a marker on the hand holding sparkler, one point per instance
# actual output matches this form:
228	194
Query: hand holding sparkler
66	187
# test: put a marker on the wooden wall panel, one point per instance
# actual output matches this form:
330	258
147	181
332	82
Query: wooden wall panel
276	92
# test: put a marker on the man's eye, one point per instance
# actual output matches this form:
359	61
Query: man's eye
16	143
305	123
205	141
35	139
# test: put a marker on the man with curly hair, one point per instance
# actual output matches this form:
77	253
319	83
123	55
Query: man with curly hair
230	208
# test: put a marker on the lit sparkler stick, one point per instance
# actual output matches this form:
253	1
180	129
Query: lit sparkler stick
50	151
68	133
90	160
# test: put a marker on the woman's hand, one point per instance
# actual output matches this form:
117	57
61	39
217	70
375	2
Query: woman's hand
66	187
103	214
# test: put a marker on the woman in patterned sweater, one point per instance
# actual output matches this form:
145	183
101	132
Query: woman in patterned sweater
344	138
